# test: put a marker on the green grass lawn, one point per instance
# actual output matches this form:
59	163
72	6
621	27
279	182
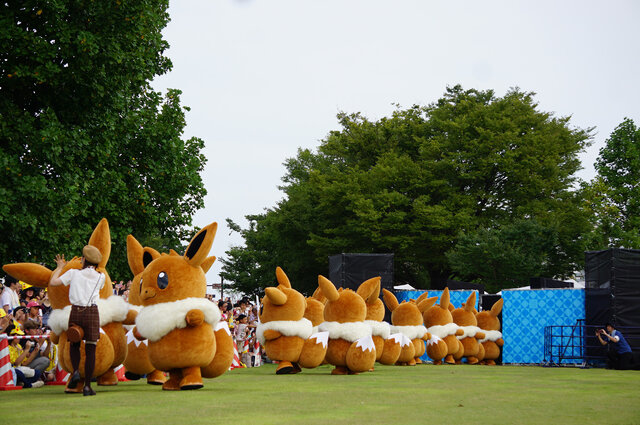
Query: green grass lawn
389	395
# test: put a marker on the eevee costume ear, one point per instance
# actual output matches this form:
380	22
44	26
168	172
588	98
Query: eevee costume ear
328	288
318	295
199	247
426	303
444	299
101	239
139	257
206	265
369	290
390	300
497	307
471	303
281	277
34	274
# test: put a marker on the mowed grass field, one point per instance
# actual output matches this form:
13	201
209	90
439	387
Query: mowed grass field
389	395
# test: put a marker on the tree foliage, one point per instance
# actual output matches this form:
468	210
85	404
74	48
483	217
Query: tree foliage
613	196
413	182
83	135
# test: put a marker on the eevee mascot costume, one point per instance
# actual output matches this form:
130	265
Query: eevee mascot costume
439	323
406	319
111	350
490	324
351	348
466	319
137	362
176	318
387	348
284	332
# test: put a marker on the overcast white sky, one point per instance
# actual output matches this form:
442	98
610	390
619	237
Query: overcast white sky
265	77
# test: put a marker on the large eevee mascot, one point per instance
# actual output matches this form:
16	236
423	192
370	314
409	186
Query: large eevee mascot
287	336
113	311
351	348
406	318
439	323
387	348
137	362
176	318
466	319
490	324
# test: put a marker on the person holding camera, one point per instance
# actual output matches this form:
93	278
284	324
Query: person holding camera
620	354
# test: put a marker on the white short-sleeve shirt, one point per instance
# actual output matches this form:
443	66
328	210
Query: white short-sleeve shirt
84	285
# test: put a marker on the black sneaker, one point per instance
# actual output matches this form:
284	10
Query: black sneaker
73	381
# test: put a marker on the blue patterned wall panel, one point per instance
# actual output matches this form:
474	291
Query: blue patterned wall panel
526	313
455	297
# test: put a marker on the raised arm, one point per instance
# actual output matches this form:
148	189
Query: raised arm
55	276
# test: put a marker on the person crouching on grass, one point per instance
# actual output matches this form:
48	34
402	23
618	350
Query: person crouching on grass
84	290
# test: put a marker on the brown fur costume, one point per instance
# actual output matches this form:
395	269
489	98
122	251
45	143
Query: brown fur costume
110	350
406	319
351	349
177	319
287	336
466	319
439	322
387	349
492	343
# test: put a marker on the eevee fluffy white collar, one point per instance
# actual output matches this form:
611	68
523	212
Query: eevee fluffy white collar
155	321
350	331
491	336
382	329
411	332
301	328
443	331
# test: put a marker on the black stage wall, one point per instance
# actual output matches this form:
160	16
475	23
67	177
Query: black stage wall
350	270
613	292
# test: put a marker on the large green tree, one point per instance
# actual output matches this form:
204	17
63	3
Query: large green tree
613	196
84	136
412	183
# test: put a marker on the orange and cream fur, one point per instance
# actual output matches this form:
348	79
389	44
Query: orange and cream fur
286	335
351	348
111	349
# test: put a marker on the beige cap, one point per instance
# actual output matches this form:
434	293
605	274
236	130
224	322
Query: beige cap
91	254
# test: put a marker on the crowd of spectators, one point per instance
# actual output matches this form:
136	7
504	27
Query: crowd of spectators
25	313
243	321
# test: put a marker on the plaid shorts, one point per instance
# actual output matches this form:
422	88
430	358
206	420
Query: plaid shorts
88	319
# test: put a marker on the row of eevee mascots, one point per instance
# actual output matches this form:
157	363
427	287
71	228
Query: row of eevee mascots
346	328
169	326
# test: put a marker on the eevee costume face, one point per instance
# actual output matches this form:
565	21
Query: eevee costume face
113	310
284	331
351	347
176	319
439	323
406	318
466	319
492	342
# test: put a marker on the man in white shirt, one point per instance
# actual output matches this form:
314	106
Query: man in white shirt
10	298
84	321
